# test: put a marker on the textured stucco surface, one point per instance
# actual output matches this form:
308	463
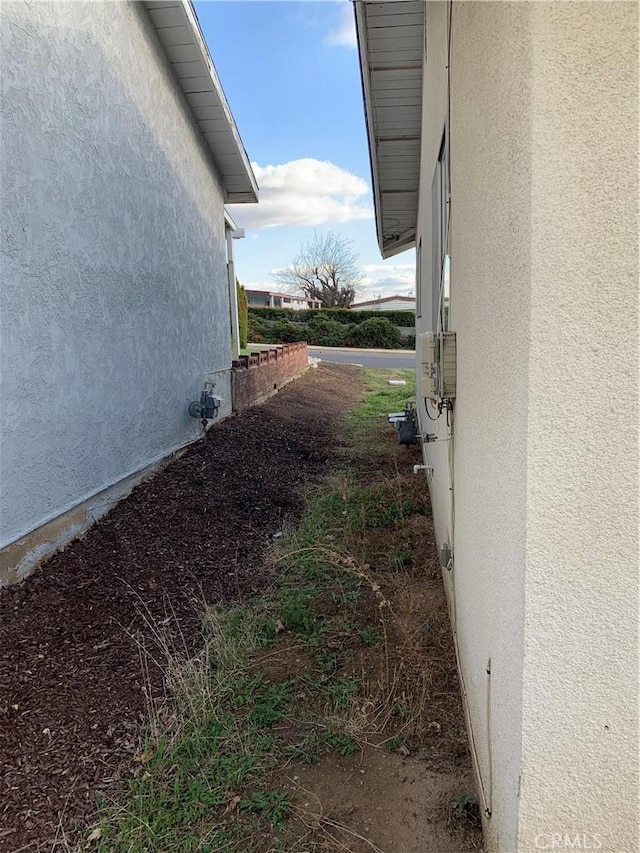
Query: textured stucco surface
580	698
486	593
115	305
544	300
490	293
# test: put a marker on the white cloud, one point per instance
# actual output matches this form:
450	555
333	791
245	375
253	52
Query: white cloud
344	35
305	192
258	285
398	269
388	280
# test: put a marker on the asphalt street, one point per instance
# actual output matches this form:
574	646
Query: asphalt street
366	358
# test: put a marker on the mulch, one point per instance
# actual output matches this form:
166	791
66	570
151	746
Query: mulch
72	688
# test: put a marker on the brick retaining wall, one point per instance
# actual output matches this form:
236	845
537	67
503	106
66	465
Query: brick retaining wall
258	376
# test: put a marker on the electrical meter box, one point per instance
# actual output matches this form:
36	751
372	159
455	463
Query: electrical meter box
438	360
429	367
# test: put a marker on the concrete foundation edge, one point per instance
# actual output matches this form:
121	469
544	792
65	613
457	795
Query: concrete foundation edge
22	557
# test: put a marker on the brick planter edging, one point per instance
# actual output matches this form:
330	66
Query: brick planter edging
256	377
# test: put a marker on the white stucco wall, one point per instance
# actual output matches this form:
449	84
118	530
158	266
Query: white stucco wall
114	295
544	296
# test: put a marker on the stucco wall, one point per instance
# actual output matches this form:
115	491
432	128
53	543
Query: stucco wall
114	294
490	292
580	699
544	289
478	498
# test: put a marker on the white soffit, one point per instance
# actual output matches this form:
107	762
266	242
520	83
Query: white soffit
391	48
180	35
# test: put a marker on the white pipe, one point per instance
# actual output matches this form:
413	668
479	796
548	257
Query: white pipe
233	296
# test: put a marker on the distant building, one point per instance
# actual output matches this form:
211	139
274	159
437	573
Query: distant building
387	303
272	299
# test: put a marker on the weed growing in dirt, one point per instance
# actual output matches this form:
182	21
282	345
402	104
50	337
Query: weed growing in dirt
369	636
272	806
321	664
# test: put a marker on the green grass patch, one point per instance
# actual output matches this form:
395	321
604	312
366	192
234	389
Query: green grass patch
381	398
271	706
344	744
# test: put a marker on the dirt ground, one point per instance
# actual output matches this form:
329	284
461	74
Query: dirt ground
72	704
384	796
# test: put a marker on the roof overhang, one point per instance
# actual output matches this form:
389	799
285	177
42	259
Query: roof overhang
229	221
391	48
181	37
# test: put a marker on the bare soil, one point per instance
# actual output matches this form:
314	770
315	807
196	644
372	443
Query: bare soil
379	795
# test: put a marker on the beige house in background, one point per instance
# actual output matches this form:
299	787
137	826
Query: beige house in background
504	147
387	303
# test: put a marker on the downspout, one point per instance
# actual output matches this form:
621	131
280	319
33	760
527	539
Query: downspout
232	233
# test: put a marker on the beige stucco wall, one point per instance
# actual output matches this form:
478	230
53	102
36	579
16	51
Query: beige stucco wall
486	596
580	697
544	278
490	292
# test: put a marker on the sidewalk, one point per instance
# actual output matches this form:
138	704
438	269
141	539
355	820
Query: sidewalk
407	352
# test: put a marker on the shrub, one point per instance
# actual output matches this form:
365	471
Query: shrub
341	315
285	333
243	314
274	313
376	332
331	327
256	326
322	331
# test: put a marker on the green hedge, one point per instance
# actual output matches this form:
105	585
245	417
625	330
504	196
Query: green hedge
340	315
330	328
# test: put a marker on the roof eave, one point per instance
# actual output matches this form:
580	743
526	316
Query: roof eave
393	237
201	86
366	95
396	245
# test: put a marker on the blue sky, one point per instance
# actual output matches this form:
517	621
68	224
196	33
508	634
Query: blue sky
291	76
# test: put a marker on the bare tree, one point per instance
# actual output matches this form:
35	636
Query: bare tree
326	269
